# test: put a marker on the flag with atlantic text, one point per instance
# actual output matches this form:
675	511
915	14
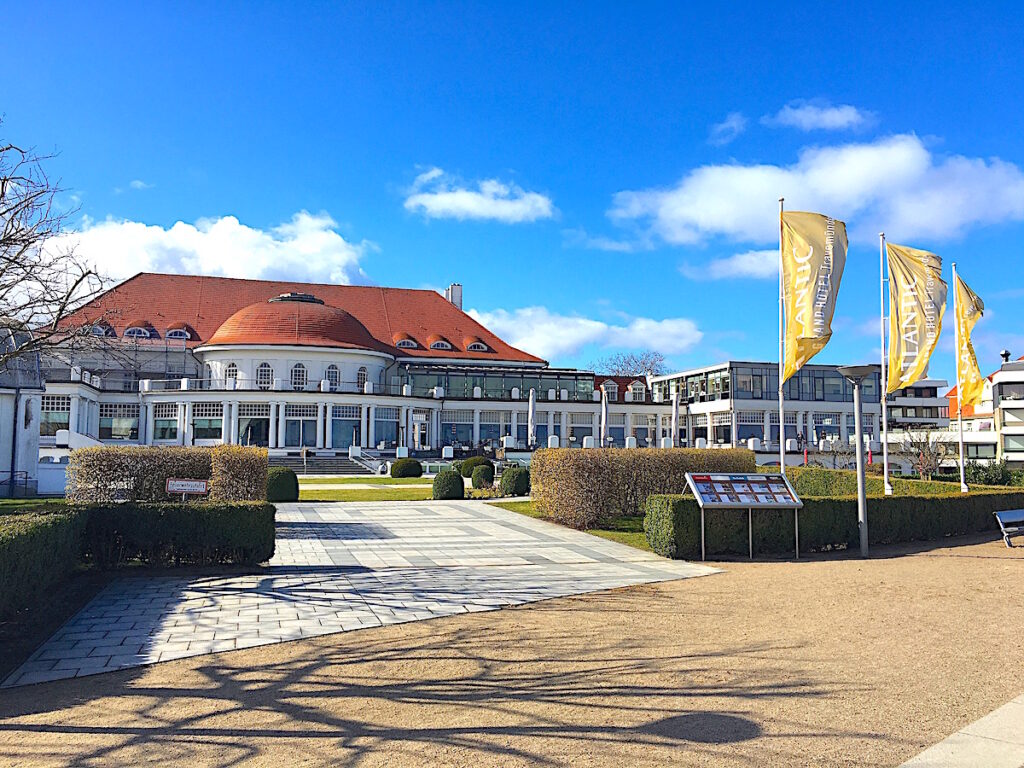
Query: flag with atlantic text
813	257
917	302
969	309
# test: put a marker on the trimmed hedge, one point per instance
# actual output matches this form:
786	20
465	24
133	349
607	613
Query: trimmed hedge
238	473
815	481
406	467
38	549
139	473
468	465
180	534
483	476
448	485
515	481
282	484
672	522
578	487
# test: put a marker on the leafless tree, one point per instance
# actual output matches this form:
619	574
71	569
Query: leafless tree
642	363
42	281
925	450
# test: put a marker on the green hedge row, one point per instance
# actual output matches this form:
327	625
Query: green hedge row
37	550
815	481
672	522
179	534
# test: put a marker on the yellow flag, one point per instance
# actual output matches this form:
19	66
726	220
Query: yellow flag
969	309
917	301
813	257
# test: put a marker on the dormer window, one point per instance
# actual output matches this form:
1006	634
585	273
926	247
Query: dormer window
611	389
102	330
178	334
477	346
440	345
637	392
406	344
437	341
135	332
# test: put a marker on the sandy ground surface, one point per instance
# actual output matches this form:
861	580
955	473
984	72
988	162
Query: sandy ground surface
839	662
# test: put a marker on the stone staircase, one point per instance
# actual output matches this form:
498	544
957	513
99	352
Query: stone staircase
320	465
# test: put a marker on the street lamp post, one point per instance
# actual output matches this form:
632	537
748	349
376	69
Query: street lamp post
855	374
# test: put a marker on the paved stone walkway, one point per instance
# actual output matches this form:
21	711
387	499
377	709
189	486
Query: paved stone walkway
344	566
994	741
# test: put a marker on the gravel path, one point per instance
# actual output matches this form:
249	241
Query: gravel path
838	662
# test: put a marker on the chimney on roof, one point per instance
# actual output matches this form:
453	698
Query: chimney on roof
1005	354
453	293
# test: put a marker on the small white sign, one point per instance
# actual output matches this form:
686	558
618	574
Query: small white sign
182	485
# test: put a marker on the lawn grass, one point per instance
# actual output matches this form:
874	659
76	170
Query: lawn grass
365	494
365	480
624	529
17	505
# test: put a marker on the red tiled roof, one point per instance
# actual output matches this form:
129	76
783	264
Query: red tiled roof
298	323
204	303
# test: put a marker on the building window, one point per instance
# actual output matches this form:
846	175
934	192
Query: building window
54	414
136	333
119	421
406	344
637	392
207	419
332	376
231	372
165	421
361	378
611	389
444	345
178	334
102	330
264	376
299	376
477	346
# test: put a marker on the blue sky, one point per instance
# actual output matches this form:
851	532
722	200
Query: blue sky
598	176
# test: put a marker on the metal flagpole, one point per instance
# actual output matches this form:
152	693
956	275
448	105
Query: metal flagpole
959	384
885	372
782	351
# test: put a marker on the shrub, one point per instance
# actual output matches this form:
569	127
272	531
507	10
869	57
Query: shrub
238	473
483	476
448	485
38	548
672	522
515	481
457	466
814	481
282	484
468	465
115	473
578	487
406	467
200	533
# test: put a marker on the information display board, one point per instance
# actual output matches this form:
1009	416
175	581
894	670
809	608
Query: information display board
745	491
753	491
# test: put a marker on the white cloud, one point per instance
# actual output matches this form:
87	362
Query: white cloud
893	184
308	247
139	184
437	195
551	335
580	239
819	116
756	264
724	132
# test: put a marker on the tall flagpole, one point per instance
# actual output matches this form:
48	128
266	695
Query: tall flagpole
959	384
782	351
885	372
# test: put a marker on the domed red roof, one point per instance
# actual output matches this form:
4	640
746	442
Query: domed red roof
294	319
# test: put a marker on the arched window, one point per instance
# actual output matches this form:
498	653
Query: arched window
299	376
207	371
477	346
102	330
406	344
441	345
231	372
361	378
178	334
332	376
264	376
136	333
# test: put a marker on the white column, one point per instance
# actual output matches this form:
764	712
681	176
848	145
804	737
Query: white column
514	425
280	424
73	415
272	437
225	423
150	422
409	442
735	436
371	427
188	423
320	408
364	426
181	424
564	439
767	426
329	426
234	422
476	427
551	425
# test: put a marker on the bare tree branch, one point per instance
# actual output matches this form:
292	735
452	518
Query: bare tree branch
631	364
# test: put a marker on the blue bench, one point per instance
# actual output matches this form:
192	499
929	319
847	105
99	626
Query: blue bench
1011	523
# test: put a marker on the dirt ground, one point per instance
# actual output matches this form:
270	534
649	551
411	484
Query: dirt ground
827	662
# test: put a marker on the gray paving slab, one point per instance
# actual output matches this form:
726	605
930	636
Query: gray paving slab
994	741
339	567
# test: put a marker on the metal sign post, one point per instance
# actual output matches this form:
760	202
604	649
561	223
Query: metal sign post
745	491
